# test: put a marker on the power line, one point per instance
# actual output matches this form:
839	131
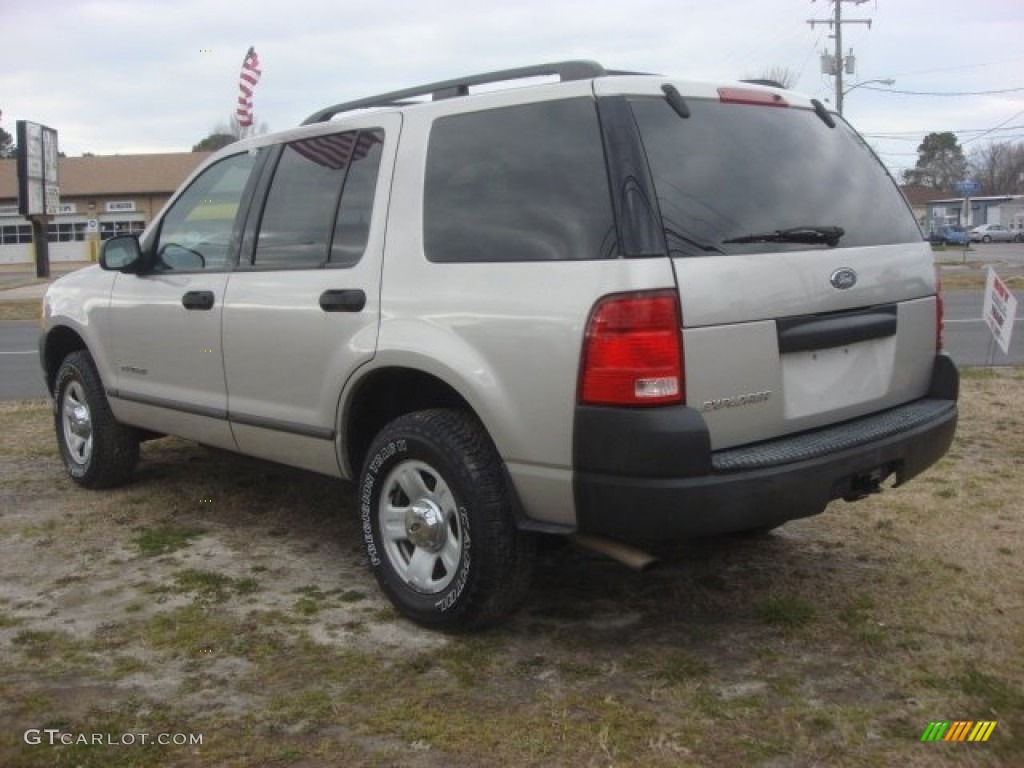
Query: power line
992	130
960	67
901	135
937	93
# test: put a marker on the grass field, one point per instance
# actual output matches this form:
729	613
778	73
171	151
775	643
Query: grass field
228	598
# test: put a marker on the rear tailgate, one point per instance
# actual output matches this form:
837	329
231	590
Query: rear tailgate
771	347
807	290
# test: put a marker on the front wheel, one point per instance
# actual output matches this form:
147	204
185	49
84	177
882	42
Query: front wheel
437	522
98	452
986	239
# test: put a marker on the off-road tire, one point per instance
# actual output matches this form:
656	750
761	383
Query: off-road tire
97	450
437	522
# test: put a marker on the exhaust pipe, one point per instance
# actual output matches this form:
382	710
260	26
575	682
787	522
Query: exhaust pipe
631	557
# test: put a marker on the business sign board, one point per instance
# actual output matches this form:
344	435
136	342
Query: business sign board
38	185
968	187
999	310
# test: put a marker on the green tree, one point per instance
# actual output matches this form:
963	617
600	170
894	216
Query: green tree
7	148
940	163
214	141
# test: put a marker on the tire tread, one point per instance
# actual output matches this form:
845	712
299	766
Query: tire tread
115	450
503	554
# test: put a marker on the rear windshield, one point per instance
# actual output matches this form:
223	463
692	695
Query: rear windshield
736	171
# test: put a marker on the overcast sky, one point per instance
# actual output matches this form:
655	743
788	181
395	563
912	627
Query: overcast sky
126	76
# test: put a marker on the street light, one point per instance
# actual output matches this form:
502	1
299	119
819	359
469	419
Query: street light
887	81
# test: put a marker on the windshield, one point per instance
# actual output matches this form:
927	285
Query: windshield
736	178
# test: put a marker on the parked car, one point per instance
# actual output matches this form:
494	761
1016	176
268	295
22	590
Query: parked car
951	235
626	306
993	233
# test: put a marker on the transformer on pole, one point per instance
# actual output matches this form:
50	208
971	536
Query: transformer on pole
835	64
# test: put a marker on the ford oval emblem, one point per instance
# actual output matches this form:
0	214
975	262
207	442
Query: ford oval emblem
843	278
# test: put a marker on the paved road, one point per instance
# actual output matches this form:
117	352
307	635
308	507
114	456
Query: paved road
20	376
1005	257
967	339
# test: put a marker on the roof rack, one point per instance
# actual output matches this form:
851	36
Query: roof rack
446	89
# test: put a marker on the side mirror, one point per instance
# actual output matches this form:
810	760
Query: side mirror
121	254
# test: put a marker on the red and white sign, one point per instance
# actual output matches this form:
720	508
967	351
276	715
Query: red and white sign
999	310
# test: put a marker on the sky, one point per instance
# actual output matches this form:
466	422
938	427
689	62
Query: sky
132	76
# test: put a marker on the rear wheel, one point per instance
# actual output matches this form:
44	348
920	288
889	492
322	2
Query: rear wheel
98	452
437	522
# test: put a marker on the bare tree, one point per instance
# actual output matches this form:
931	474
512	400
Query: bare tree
999	167
224	134
784	76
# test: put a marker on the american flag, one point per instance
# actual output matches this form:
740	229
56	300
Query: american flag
247	79
336	150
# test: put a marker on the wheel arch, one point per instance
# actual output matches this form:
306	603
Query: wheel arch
384	394
59	342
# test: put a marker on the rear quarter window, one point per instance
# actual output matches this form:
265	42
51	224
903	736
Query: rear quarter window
524	183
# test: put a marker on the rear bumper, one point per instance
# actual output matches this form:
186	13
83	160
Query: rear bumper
651	475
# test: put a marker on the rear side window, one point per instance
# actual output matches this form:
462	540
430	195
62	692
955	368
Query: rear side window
320	201
732	171
524	183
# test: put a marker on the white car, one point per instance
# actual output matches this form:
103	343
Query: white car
994	233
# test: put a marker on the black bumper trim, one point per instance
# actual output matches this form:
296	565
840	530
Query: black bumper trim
639	508
650	474
840	437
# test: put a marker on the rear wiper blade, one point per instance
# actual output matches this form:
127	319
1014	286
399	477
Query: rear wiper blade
811	235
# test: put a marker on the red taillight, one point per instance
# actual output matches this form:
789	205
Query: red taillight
754	96
632	351
940	315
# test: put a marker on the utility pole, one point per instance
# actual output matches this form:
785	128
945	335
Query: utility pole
836	63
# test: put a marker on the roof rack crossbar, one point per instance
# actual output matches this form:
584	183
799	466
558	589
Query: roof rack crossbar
565	70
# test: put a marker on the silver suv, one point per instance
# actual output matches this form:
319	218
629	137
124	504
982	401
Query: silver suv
621	305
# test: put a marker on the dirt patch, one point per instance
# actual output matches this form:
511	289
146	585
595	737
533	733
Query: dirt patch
228	598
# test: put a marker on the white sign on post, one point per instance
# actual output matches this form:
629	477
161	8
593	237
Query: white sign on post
38	182
999	310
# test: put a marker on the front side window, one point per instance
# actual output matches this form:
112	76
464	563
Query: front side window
320	201
198	231
524	183
731	173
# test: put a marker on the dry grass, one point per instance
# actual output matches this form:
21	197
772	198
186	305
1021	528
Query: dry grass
222	596
19	310
972	276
